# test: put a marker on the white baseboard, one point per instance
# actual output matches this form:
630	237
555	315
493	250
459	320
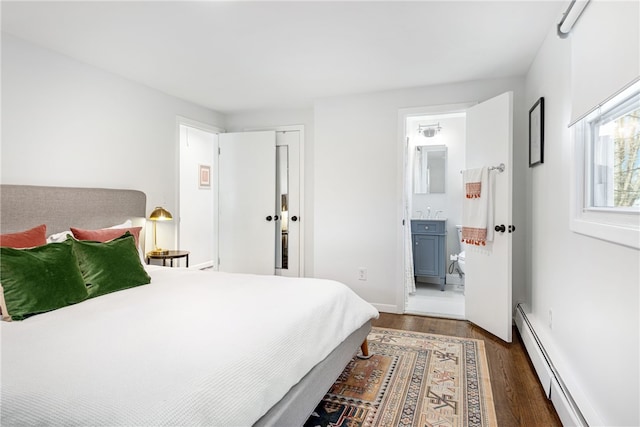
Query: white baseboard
536	356
549	377
203	265
563	407
386	308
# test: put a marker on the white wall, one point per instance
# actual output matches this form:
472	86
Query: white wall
591	286
70	124
358	183
275	118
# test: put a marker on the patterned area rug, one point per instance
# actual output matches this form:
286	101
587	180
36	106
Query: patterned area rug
411	379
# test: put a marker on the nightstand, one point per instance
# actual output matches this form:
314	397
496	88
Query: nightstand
170	255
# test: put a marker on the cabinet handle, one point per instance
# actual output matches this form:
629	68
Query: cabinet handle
426	227
269	218
294	218
275	218
500	228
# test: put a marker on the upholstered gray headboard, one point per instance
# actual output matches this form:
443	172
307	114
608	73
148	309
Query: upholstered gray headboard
26	206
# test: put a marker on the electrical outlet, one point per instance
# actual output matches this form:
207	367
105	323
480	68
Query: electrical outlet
550	319
362	273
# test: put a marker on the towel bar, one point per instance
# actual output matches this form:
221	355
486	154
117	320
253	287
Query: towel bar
500	168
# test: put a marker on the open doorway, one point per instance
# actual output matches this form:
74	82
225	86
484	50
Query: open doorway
488	143
196	216
434	156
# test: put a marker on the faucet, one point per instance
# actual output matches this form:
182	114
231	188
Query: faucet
438	214
428	212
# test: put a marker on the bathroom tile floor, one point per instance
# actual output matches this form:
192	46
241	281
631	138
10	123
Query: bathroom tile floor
430	300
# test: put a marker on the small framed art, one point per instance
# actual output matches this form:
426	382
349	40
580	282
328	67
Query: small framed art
204	176
536	133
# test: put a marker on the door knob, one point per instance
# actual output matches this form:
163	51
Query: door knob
294	218
500	228
269	218
512	228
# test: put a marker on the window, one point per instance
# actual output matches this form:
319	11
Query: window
607	189
614	147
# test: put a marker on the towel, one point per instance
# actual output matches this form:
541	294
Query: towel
472	179
477	207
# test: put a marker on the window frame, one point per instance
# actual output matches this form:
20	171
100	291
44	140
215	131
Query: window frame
617	225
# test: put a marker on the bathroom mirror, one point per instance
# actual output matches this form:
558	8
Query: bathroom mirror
429	169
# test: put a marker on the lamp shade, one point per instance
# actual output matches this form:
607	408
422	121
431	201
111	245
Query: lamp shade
160	214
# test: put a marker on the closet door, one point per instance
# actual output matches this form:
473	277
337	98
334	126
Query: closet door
247	180
288	227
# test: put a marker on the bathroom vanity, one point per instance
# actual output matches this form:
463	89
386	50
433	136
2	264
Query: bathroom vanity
429	249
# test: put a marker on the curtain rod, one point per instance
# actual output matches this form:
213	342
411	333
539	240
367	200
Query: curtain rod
570	17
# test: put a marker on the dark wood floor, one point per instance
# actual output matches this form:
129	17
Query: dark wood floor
518	396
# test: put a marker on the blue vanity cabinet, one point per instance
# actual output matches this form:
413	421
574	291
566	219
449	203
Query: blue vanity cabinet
429	256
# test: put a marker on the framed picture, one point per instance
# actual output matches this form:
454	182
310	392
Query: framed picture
536	133
204	176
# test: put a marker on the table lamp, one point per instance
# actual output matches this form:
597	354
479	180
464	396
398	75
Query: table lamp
159	214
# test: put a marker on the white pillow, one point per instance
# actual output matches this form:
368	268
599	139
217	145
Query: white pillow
62	236
59	237
126	224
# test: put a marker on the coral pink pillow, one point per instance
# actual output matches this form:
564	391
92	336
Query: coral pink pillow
105	234
37	236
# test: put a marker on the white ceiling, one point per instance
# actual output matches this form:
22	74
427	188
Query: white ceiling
234	56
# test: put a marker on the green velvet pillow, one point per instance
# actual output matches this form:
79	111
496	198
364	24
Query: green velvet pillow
110	266
40	279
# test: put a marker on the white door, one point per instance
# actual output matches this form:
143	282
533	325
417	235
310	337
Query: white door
246	182
488	276
287	261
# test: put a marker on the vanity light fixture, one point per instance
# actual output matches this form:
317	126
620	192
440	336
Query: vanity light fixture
430	130
159	214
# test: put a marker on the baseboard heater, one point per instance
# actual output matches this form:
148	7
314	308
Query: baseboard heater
550	379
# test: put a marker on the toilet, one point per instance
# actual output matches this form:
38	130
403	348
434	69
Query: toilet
463	246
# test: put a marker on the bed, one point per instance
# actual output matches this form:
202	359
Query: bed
196	348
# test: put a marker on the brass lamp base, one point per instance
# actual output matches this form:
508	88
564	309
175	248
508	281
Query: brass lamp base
159	252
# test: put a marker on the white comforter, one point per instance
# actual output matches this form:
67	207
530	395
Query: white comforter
192	348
